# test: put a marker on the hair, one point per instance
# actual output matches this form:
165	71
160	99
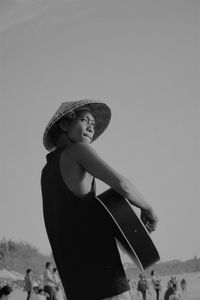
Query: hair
40	291
5	290
56	130
48	264
28	271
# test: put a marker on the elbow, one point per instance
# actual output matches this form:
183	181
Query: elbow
124	188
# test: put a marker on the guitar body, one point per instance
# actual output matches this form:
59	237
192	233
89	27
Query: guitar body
129	230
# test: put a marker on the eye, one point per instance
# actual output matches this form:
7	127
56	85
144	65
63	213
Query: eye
87	120
83	119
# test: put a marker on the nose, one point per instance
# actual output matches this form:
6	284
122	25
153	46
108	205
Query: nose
90	127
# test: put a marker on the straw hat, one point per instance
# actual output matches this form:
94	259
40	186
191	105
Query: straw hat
100	111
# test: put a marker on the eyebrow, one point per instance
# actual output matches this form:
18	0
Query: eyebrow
91	119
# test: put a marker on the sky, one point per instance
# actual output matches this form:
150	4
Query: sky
142	59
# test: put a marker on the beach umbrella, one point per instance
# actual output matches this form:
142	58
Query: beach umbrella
5	274
18	275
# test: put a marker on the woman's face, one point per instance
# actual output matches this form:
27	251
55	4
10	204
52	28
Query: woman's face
82	128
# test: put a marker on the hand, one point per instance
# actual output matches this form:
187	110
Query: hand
149	219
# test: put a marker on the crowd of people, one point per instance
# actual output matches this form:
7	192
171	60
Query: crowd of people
50	288
145	286
47	286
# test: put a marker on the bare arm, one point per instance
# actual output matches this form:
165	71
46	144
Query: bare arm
90	161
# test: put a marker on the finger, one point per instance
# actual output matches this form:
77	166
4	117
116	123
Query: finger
151	226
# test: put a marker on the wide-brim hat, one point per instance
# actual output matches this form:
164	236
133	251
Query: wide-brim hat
101	113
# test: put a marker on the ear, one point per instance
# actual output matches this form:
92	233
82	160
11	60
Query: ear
64	124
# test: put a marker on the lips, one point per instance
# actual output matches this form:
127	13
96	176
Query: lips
87	135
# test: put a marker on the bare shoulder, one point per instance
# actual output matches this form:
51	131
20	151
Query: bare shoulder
78	150
75	176
81	159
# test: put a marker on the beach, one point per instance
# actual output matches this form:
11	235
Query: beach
193	292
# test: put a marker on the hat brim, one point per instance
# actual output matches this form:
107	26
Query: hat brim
100	111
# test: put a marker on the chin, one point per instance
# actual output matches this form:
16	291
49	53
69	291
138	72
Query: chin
86	140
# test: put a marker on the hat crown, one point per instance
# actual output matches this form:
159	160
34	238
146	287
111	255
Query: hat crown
67	107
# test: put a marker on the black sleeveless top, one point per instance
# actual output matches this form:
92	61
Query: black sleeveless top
81	238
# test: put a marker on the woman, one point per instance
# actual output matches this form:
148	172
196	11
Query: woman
82	241
156	282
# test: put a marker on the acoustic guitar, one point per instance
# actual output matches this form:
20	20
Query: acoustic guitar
130	232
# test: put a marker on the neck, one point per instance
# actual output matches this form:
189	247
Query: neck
63	140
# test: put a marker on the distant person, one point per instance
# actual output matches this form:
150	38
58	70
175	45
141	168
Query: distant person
183	285
156	282
56	276
39	295
133	286
28	283
5	292
35	286
172	292
143	286
49	283
173	282
58	289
